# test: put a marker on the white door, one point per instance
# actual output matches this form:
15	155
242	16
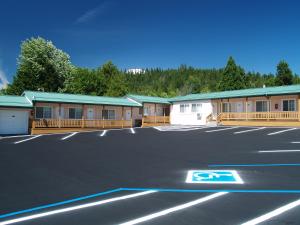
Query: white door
239	107
250	107
13	122
128	115
90	114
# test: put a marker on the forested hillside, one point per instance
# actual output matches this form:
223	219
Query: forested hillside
43	67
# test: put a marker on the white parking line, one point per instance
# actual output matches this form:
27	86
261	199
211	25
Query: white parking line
28	139
273	213
103	133
72	208
228	128
295	142
68	136
245	131
173	209
279	151
132	130
281	131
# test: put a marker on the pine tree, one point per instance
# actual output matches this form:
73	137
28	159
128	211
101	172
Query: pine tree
284	75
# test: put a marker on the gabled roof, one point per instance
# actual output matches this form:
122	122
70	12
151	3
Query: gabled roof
36	96
148	99
268	91
14	101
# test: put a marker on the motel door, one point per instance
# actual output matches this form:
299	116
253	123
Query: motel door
90	114
239	107
128	115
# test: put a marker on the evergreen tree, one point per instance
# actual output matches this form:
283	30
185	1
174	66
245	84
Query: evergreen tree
233	77
284	75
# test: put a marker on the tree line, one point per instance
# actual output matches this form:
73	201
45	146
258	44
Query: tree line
43	67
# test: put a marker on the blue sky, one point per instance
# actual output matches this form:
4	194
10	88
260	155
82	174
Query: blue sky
140	33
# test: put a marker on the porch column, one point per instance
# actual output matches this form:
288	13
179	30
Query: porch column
59	115
164	112
155	113
269	106
131	111
298	105
246	108
82	119
122	116
103	107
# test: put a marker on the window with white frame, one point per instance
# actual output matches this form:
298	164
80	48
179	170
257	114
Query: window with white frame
146	110
226	107
75	113
44	112
196	107
109	114
262	106
288	105
184	108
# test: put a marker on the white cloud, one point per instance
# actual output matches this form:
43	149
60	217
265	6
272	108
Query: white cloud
3	79
92	13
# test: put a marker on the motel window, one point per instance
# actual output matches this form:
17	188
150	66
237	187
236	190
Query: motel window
146	110
109	114
262	106
288	105
226	107
196	107
75	113
184	108
43	112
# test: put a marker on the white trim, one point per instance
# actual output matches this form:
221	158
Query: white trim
273	213
281	131
173	209
286	99
72	208
28	139
132	100
28	100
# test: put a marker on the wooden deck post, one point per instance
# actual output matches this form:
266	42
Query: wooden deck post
59	116
164	115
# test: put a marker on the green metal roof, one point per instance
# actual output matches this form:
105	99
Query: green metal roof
268	91
80	99
14	101
149	99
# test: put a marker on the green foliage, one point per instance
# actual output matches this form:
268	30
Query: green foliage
284	75
41	66
233	77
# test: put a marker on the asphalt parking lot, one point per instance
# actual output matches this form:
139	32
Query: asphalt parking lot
138	176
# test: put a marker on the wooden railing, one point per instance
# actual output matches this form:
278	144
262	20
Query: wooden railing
80	123
158	120
259	116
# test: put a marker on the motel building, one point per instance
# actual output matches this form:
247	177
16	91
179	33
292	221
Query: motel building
43	112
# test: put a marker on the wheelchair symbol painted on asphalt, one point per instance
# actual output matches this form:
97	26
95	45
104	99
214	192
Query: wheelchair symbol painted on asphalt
213	176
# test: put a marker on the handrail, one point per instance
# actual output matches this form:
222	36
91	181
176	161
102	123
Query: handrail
281	115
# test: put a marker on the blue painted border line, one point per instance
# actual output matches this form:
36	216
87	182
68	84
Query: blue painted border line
60	203
253	165
213	190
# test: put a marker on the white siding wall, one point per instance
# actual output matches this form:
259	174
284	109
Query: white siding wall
189	117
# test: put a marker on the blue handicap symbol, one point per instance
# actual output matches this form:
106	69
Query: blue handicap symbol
213	176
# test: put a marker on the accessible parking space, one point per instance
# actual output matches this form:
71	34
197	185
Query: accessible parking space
182	175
